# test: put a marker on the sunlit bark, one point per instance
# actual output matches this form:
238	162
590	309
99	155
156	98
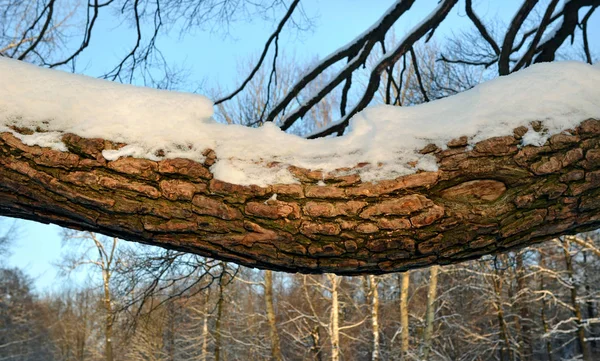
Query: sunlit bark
490	198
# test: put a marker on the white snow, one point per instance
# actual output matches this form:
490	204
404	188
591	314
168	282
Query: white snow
561	95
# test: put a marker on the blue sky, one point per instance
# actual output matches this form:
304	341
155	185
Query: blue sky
213	58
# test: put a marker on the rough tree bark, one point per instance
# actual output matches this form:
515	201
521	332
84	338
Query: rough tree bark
490	198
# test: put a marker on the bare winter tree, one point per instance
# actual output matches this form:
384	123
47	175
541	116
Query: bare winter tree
298	231
101	253
22	333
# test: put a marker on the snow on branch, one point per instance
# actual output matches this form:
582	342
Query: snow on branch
386	140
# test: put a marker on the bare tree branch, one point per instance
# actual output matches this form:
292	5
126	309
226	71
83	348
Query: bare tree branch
586	46
480	27
418	74
40	36
358	49
432	21
273	36
526	58
509	38
547	50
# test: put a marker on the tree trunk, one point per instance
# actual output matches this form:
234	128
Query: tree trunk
106	267
589	303
204	350
218	336
583	346
171	314
488	198
523	294
374	316
430	311
505	349
335	314
543	311
275	348
108	322
404	313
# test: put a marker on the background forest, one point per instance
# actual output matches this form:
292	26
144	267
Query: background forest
540	303
146	303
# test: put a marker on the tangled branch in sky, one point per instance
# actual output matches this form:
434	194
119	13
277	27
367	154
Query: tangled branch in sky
41	31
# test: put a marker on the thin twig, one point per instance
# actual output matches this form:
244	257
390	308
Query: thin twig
361	47
273	36
413	57
509	38
480	27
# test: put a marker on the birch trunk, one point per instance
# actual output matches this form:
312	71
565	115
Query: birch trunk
374	316
108	322
335	314
404	342
525	345
204	352
275	348
430	311
218	333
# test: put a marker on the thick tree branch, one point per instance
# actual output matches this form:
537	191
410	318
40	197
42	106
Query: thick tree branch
547	50
490	198
511	33
526	58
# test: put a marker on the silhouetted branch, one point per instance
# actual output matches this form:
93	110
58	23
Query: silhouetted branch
586	46
547	50
88	33
272	77
509	38
358	50
486	64
398	101
273	36
526	58
480	27
40	36
418	74
430	23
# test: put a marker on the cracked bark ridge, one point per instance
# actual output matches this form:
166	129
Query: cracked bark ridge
489	198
